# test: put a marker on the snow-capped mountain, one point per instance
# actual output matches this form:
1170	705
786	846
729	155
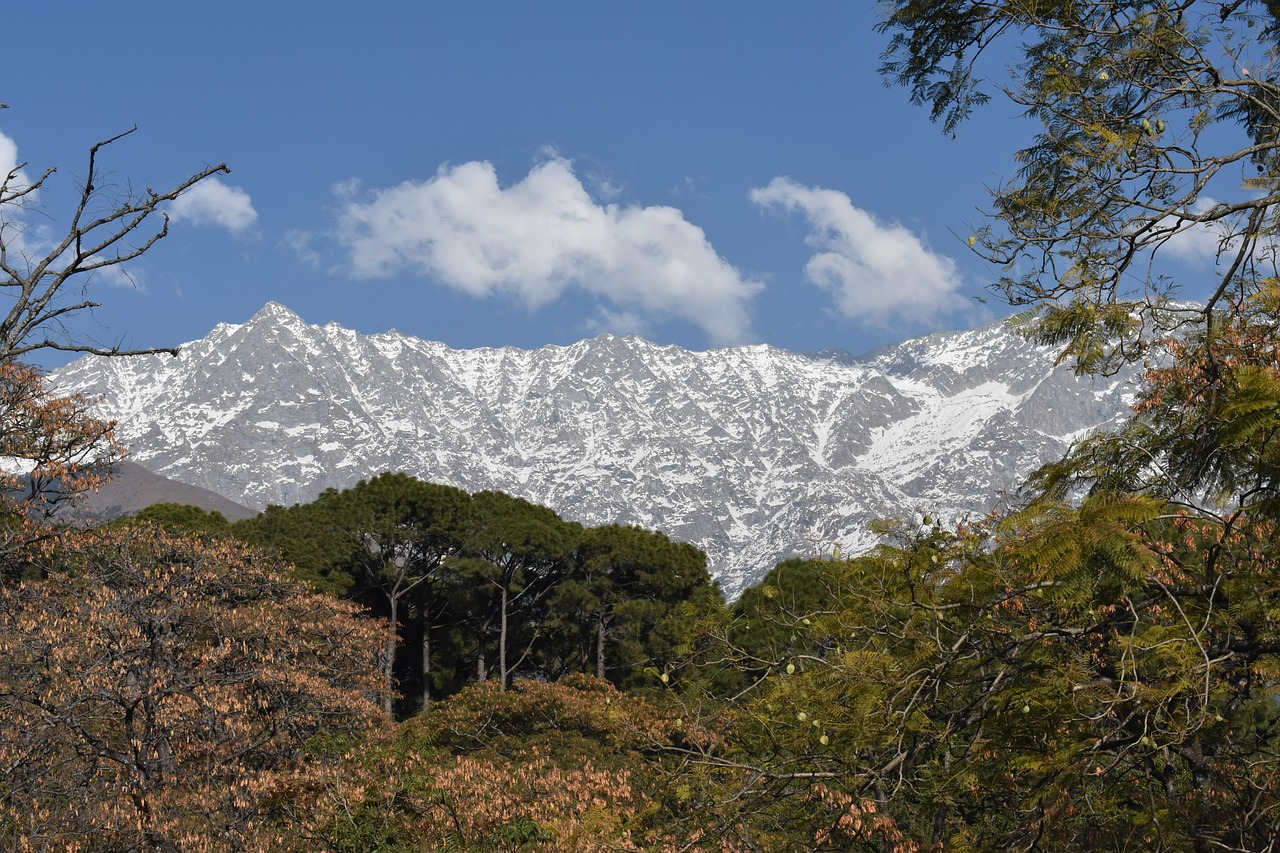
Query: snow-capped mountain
753	453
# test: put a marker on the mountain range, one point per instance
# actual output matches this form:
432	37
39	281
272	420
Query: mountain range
752	453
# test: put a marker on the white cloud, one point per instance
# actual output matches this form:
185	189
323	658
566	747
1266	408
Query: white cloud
541	236
623	323
121	276
211	202
1200	244
9	163
301	244
603	187
347	189
877	272
23	235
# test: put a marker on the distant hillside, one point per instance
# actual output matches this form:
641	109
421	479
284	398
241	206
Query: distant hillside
134	488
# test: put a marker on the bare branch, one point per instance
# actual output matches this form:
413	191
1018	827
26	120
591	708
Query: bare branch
104	232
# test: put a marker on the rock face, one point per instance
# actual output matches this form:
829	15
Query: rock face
752	453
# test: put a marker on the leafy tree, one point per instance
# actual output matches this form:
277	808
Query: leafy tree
1202	436
514	554
1098	668
1100	673
155	690
1202	444
493	582
59	451
1158	123
572	766
396	533
766	618
308	539
385	542
626	599
185	518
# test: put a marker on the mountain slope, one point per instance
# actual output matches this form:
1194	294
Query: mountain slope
753	453
133	488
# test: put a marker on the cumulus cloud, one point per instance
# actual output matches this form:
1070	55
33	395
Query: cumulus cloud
211	202
9	163
23	235
877	272
538	238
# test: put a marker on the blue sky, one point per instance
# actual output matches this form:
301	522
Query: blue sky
490	174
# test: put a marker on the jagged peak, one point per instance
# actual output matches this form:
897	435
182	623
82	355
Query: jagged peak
276	313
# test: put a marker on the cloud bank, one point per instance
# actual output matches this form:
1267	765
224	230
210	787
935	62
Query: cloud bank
538	238
878	273
211	202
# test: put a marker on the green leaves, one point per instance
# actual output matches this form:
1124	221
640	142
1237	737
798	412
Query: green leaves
926	54
1065	673
1127	94
489	584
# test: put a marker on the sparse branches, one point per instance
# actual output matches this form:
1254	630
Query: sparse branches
107	230
1159	130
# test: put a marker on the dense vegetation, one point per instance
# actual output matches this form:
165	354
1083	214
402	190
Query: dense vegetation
405	666
485	586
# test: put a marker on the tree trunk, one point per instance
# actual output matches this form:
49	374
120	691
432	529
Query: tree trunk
482	670
600	647
502	641
426	658
393	622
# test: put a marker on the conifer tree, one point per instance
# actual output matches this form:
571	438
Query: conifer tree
624	600
514	554
395	534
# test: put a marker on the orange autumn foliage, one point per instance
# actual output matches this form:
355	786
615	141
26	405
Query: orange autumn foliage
154	690
52	452
571	766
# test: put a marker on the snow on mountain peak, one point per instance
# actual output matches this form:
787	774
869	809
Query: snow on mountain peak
753	453
275	312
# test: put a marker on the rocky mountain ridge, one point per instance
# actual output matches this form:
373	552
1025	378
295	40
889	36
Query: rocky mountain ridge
753	453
